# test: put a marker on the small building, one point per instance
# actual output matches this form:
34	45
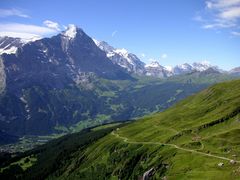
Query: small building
221	164
232	162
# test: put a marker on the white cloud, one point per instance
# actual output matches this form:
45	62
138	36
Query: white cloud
218	25
219	4
235	33
164	56
232	13
24	36
224	10
114	33
12	12
25	31
52	25
143	55
220	14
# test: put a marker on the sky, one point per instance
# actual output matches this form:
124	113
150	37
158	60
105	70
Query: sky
169	31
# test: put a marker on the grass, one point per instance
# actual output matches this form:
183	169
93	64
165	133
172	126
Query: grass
105	126
24	163
187	141
188	124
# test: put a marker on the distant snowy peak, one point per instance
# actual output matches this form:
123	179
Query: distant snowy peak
185	66
104	46
156	70
32	39
235	71
122	57
11	50
169	68
196	66
122	52
202	66
133	64
153	64
111	51
182	69
10	45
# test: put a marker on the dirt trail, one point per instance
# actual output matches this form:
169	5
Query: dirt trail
172	145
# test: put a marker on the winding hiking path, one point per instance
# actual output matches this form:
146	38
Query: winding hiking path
171	145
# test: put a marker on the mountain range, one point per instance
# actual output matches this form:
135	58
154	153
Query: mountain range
133	64
69	82
124	59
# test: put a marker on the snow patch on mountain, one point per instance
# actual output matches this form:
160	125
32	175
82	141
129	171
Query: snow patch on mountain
133	64
9	45
122	57
153	64
169	68
235	71
156	70
71	31
11	50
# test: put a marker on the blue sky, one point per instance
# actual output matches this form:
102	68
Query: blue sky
169	31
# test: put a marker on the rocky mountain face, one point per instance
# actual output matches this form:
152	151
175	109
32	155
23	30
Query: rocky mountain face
156	70
195	67
235	71
182	69
57	61
40	82
121	57
49	84
133	64
9	45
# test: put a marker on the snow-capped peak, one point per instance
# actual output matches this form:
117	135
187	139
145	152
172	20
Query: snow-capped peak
185	66
122	51
96	42
169	68
71	31
11	50
207	63
9	45
201	66
153	64
30	39
111	52
122	57
104	46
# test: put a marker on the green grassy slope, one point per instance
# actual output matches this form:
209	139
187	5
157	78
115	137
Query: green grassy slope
52	157
207	122
187	141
